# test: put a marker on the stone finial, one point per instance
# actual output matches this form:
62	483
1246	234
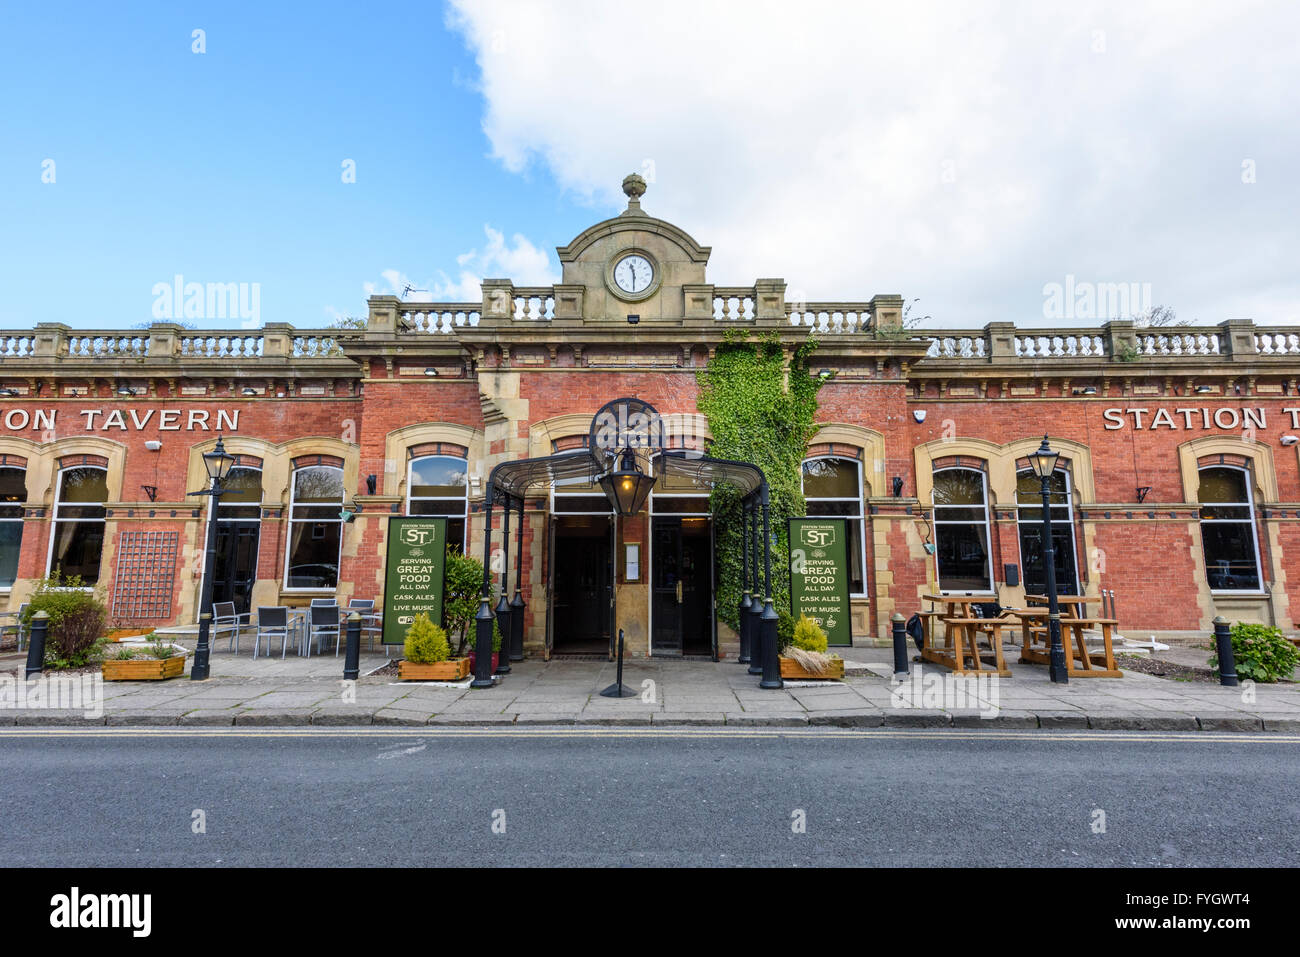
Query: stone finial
634	188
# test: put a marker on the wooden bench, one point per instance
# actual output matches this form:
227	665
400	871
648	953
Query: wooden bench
1037	647
963	634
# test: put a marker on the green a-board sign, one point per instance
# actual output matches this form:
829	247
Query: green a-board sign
819	575
413	574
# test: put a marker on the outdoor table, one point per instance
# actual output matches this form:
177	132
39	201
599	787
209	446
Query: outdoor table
1038	650
965	633
1072	606
956	632
298	623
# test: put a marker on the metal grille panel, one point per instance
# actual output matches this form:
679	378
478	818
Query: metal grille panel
146	575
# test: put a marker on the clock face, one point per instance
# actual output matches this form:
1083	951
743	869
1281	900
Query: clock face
634	274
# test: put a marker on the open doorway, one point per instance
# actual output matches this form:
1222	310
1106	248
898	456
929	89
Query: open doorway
682	586
582	595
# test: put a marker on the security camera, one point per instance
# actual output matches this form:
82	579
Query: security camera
1289	440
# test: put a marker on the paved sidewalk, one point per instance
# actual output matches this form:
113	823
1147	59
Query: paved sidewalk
300	691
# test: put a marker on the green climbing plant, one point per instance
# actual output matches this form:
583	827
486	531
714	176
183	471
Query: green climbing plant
760	409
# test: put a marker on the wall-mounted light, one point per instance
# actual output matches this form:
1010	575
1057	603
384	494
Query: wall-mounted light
125	390
153	445
918	415
151	491
632	320
898	486
371	480
431	372
1142	493
8	391
1086	390
248	390
1203	389
826	374
1289	439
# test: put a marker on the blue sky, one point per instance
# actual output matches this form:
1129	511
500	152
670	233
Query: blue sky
971	155
226	166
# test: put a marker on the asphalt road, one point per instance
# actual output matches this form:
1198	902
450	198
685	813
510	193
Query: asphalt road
601	797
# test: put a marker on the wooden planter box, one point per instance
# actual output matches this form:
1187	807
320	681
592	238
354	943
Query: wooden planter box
792	669
452	670
144	669
117	634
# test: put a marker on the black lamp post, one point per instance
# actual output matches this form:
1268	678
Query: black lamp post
1043	463
218	463
627	488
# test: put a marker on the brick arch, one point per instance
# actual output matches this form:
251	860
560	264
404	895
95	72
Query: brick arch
1001	465
277	460
1259	456
399	444
870	446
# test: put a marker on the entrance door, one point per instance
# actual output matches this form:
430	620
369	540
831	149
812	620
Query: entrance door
681	587
235	568
582	590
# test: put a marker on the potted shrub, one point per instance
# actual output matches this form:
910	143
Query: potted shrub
155	661
805	656
1260	653
461	595
77	616
428	655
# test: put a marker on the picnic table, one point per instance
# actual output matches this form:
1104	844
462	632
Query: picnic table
962	632
1036	638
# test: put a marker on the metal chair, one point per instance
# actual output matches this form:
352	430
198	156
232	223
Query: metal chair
319	602
272	622
225	619
18	628
324	623
369	620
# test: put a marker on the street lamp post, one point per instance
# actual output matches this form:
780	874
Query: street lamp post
218	463
1043	463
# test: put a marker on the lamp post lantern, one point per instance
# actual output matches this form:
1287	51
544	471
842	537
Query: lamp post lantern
217	463
627	488
1043	462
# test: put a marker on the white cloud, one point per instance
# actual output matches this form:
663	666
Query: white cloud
517	259
966	154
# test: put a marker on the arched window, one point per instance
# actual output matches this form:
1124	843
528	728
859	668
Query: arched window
315	528
239	526
833	486
1029	515
78	539
13	493
961	530
1228	529
438	485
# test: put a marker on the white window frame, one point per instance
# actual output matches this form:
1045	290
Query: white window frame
988	532
5	589
54	521
288	541
464	499
859	515
1254	527
1069	520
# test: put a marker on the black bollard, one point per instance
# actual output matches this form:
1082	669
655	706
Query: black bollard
900	645
36	644
483	646
771	647
352	653
1227	663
